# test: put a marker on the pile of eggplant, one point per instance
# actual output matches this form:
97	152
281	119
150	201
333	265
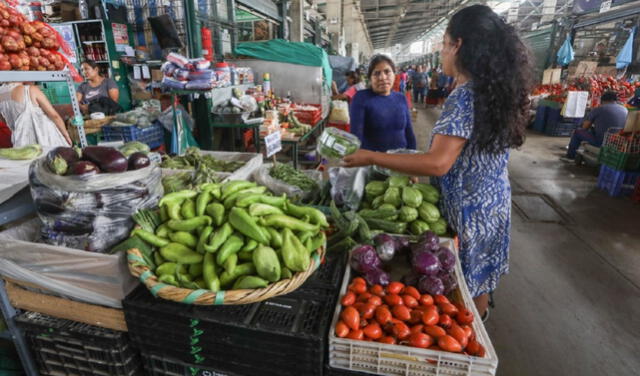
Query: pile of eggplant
93	160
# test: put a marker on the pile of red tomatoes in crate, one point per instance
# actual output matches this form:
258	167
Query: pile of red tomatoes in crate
399	314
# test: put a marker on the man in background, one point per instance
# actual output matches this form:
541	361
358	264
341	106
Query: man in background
610	114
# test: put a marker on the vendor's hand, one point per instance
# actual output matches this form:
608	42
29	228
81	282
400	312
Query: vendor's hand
66	137
359	158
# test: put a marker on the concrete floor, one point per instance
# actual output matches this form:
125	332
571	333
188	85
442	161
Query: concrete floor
571	302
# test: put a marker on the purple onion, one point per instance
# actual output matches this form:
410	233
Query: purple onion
377	276
402	243
365	258
446	257
385	246
430	240
425	263
448	281
430	284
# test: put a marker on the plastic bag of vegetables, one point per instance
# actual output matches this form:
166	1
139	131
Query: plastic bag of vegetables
91	211
296	184
335	143
386	171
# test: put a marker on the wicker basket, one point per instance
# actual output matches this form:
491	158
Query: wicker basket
141	270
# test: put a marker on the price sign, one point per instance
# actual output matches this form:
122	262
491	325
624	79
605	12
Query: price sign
273	142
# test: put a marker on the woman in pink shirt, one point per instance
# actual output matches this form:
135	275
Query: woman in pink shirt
354	85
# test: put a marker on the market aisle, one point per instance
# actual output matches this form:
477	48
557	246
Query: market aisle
569	305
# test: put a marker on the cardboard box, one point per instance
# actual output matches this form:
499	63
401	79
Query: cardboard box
156	75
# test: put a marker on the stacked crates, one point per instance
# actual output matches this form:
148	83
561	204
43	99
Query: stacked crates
285	335
64	347
620	160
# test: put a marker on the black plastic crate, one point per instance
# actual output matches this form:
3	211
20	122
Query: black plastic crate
72	348
158	365
330	371
280	336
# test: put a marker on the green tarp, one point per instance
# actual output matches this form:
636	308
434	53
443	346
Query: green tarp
288	52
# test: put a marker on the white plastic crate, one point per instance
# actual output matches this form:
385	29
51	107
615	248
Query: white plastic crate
396	360
252	161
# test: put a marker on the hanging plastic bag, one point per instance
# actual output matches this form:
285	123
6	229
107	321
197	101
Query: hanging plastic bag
625	57
92	213
565	54
339	112
347	185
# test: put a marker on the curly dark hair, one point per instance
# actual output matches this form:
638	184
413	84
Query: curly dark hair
498	64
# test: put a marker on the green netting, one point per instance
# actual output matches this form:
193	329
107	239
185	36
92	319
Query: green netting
288	52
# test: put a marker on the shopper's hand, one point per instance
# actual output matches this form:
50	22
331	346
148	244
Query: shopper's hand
66	137
359	158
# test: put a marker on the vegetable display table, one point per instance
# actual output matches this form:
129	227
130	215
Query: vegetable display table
295	141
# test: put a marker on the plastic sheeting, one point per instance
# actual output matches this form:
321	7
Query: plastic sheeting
92	213
278	187
340	65
86	276
347	185
289	52
625	57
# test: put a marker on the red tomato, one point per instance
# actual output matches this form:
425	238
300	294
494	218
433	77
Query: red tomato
416	316
439	299
358	305
373	330
409	301
473	347
348	299
434	347
356	334
420	340
401	312
469	332
351	317
464	316
426	300
375	300
431	316
383	315
435	331
388	340
393	300
364	297
448	343
367	311
415	329
341	329
358	288
395	288
359	280
400	330
377	290
410	290
459	334
448	308
445	321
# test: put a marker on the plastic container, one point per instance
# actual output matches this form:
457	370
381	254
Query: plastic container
158	365
281	336
618	160
560	128
335	144
616	182
69	347
539	122
383	359
386	171
152	135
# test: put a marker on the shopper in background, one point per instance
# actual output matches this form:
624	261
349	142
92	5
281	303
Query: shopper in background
610	114
353	81
97	94
31	117
419	81
403	80
379	116
483	118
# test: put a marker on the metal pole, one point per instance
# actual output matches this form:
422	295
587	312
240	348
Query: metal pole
77	121
194	39
9	314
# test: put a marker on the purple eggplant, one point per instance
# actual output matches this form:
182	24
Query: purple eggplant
430	284
83	168
138	160
365	258
377	277
425	263
446	257
385	246
108	159
61	157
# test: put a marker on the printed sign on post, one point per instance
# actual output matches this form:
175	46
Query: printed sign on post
120	35
273	142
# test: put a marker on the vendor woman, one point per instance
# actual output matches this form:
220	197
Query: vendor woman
483	118
380	117
98	93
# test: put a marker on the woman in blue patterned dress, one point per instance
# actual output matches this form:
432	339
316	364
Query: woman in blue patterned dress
482	119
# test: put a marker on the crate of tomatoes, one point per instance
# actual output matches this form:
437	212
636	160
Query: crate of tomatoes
411	314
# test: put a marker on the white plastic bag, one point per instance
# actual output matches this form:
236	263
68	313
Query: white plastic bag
339	112
278	187
86	276
92	213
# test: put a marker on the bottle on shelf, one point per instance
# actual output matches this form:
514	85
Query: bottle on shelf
266	84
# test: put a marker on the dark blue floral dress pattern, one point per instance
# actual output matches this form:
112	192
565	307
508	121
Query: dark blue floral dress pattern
476	198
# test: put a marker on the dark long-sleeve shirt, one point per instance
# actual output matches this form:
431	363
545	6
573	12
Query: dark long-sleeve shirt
382	122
